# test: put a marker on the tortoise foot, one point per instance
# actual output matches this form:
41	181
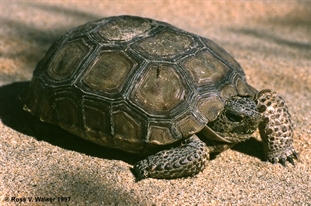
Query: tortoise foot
186	160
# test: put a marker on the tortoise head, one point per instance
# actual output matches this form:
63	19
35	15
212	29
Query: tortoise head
238	119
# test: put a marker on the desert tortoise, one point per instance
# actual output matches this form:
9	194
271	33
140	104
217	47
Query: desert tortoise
146	87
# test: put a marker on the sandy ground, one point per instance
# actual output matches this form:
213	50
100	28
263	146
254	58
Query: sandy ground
271	40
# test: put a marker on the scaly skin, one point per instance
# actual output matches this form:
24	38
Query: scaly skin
186	160
276	130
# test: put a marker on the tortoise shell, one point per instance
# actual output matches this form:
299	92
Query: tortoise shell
132	83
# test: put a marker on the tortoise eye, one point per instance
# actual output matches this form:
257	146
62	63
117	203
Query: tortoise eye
233	117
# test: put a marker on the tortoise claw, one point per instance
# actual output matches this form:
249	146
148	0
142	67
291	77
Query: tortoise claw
290	159
282	161
274	161
295	155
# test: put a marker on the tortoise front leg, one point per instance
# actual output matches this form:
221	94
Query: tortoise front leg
276	130
186	160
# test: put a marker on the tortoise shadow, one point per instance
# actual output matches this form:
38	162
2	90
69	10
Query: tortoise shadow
13	116
252	147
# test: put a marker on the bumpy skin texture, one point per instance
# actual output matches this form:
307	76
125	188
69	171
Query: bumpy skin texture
186	160
276	130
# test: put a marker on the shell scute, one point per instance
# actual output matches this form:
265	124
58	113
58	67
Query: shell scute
108	72
67	60
159	90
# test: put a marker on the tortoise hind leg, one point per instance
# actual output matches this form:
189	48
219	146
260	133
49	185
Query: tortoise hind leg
186	160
